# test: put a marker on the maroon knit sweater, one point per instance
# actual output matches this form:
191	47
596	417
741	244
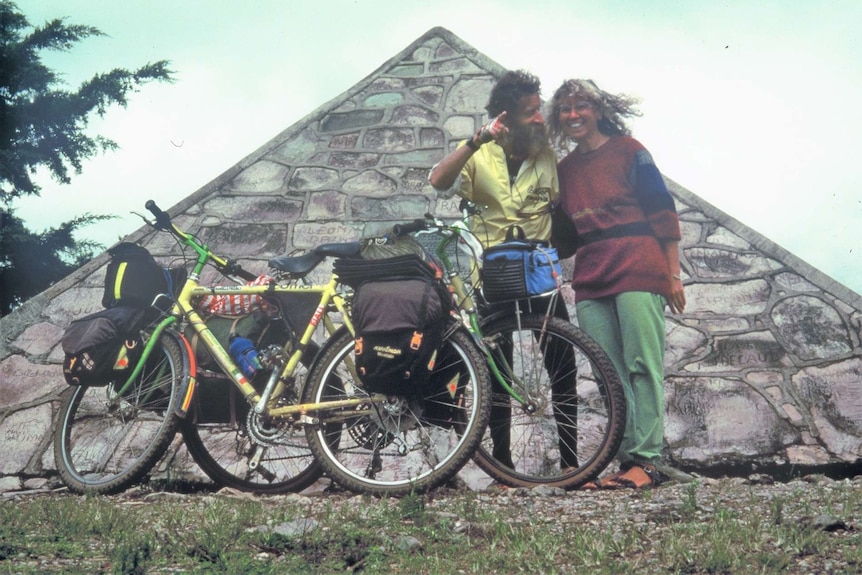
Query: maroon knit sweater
622	210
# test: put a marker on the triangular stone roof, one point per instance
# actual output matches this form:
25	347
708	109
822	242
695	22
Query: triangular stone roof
765	364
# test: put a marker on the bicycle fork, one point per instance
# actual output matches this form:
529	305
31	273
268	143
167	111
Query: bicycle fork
502	370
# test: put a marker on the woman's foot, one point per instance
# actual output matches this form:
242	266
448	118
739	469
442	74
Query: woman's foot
635	476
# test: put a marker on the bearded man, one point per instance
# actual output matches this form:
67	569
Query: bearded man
509	170
508	167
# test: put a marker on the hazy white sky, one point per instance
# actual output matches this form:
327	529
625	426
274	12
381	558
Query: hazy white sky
753	106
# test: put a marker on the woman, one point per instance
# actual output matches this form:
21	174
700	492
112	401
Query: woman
627	266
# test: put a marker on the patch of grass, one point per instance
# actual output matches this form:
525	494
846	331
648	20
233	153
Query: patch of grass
691	530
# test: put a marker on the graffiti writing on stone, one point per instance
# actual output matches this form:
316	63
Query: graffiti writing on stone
735	353
308	235
27	431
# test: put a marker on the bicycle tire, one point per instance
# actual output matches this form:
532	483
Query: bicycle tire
105	442
386	449
594	417
223	449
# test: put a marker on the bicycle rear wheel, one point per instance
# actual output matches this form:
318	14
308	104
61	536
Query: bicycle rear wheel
406	444
104	441
246	452
573	422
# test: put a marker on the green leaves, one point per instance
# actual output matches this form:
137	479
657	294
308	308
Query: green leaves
42	124
31	262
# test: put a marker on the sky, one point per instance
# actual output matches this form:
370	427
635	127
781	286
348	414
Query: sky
753	106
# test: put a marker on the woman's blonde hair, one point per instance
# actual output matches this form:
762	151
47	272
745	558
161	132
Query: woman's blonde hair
615	108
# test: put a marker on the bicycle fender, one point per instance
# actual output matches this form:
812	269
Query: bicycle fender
189	369
486	320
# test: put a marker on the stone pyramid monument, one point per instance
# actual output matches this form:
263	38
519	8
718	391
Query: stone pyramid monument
763	369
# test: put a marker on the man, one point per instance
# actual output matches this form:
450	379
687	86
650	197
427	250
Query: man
509	169
508	166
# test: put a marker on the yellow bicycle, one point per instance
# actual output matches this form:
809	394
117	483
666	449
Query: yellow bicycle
306	396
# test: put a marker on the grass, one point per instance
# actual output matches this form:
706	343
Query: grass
696	531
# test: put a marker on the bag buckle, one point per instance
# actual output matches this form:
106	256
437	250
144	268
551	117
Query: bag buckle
416	341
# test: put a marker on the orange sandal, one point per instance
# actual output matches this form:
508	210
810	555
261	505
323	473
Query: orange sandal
601	483
636	476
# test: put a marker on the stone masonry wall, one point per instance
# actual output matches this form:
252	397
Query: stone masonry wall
763	366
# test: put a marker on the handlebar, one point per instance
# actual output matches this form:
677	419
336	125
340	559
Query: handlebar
466	207
163	220
414	226
226	266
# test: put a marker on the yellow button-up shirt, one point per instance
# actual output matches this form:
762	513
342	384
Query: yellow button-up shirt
525	201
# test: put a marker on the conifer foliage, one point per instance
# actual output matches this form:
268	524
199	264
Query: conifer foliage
43	124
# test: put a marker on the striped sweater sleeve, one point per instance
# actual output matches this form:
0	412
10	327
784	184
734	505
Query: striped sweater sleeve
654	198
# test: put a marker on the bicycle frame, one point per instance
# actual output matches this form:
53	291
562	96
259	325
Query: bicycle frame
331	300
466	300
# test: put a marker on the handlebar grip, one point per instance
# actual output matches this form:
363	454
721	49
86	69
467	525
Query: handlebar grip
163	220
404	229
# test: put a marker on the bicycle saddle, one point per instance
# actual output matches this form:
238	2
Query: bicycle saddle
301	265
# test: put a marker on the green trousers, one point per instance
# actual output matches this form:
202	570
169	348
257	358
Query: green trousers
630	327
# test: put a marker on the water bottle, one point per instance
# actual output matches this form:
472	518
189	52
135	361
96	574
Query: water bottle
245	355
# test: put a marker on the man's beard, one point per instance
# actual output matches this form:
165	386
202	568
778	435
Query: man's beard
528	141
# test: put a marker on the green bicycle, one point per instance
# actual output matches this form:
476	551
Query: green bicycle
558	412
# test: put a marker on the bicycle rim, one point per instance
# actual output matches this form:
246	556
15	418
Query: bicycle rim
573	423
407	444
249	454
104	442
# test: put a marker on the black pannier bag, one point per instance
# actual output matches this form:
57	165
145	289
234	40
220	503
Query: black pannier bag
399	312
134	278
102	347
399	326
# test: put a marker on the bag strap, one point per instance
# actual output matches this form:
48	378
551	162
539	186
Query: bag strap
232	331
423	307
515	232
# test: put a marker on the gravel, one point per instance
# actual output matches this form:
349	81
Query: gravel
816	502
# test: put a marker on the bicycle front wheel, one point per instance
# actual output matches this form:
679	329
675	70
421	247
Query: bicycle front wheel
407	443
571	422
105	441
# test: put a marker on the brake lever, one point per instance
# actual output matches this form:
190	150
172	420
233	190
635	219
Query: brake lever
152	224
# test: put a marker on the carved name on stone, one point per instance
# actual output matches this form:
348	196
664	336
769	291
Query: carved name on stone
733	353
23	382
238	240
394	208
313	234
22	433
737	299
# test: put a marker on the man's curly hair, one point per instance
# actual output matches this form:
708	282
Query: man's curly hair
507	93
